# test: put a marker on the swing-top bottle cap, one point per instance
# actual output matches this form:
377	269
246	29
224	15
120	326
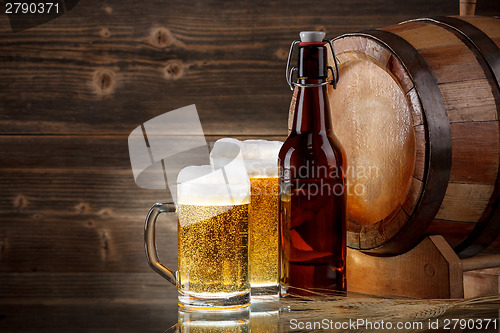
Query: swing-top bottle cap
312	46
312	36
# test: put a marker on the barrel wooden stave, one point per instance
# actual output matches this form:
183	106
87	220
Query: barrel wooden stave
471	106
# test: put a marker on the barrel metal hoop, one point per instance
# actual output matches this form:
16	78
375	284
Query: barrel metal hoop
488	226
438	141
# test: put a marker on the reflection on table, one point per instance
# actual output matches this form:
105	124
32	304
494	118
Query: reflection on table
352	313
260	317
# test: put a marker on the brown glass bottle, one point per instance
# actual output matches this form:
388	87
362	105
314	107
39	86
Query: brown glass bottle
312	187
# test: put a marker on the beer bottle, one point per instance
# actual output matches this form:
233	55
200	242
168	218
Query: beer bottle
312	181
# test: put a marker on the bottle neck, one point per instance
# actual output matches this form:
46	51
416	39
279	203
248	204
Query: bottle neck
312	61
312	109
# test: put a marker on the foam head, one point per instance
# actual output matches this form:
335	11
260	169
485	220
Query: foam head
204	186
260	156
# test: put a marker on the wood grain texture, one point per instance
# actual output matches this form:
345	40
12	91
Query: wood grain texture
482	23
108	75
453	207
481	262
420	147
156	314
417	112
413	196
423	36
103	317
58	288
455	231
476	141
458	58
482	282
463	106
467	7
120	75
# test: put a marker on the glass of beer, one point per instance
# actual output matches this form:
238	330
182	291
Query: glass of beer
261	162
212	232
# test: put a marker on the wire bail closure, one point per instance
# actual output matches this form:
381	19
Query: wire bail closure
289	71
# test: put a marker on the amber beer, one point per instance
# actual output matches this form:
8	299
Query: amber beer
312	183
263	221
261	163
212	248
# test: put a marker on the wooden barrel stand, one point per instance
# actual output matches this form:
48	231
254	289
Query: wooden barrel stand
430	270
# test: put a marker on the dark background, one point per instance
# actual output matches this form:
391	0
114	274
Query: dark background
72	89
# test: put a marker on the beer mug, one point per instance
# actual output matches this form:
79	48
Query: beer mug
212	232
260	158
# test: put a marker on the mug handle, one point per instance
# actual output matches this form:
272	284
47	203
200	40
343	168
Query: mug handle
150	243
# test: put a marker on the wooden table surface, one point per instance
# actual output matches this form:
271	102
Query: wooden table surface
162	316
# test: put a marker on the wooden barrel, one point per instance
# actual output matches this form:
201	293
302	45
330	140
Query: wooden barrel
417	110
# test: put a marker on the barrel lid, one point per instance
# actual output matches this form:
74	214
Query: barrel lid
312	36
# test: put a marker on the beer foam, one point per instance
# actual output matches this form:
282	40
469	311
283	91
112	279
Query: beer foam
260	156
204	185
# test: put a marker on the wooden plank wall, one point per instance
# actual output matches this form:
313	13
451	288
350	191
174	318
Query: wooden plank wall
71	90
